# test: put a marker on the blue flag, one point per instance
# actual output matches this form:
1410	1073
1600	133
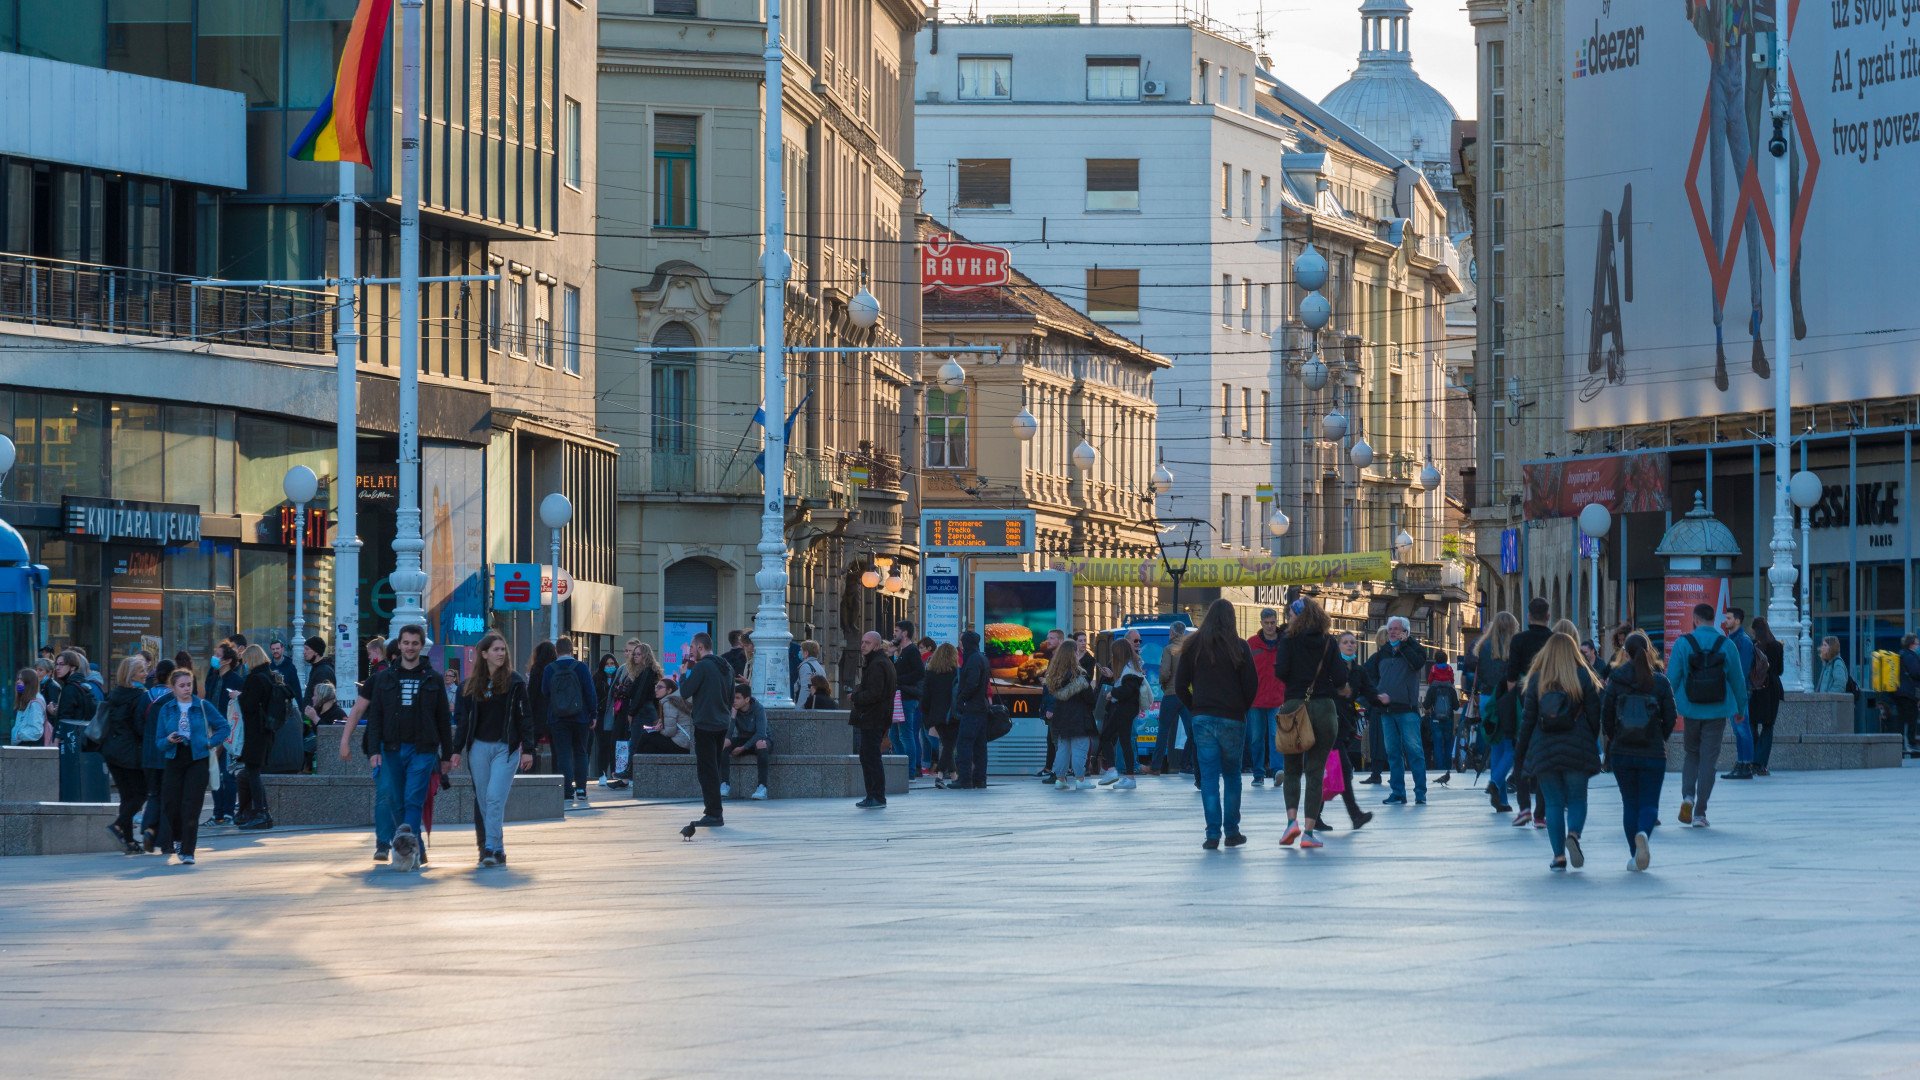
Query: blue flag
760	417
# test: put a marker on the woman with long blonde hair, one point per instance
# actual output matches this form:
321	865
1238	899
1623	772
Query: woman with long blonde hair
1559	739
936	702
1490	676
1072	721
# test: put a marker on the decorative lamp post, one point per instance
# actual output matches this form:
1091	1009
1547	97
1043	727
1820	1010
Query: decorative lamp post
870	577
1805	490
952	376
863	310
1362	454
1333	426
300	485
1162	478
555	511
1429	477
1596	521
1025	425
1084	456
1313	374
1402	542
1279	523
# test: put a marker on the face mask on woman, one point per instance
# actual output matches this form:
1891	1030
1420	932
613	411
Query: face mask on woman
610	669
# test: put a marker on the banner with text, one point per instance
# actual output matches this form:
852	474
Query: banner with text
1626	484
1230	573
1668	256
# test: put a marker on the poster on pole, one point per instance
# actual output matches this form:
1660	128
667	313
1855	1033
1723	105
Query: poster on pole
1670	196
1682	593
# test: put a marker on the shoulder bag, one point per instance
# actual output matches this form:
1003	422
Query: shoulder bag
1292	727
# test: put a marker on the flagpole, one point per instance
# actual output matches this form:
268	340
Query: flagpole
409	579
346	484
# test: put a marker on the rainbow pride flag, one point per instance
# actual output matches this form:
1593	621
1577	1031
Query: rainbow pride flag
338	130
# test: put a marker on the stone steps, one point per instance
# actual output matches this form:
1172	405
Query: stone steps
790	776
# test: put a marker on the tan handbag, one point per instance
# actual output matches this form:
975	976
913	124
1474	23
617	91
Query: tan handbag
1292	727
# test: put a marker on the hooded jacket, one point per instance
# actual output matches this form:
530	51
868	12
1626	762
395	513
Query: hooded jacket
1273	688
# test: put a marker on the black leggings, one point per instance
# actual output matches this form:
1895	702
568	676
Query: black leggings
132	786
949	734
1119	732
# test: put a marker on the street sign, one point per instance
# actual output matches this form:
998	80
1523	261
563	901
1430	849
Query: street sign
976	532
940	597
962	267
515	585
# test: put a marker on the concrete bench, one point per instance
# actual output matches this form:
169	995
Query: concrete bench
348	800
56	828
1813	731
789	776
29	774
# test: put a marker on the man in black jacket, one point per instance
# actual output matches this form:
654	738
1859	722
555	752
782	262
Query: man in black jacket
970	706
1526	644
319	668
709	687
910	672
410	728
872	715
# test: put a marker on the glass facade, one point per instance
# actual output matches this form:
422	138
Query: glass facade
75	214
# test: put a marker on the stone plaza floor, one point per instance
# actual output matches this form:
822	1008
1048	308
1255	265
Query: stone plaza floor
1016	932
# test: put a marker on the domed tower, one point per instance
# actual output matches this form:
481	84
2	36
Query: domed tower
1392	105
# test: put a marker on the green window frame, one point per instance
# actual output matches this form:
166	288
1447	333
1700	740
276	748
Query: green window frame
676	172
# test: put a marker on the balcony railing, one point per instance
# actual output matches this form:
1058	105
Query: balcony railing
147	303
647	471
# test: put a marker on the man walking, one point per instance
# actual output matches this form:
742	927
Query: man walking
970	705
1709	687
910	672
1734	625
872	715
572	708
709	687
1266	647
410	728
1397	672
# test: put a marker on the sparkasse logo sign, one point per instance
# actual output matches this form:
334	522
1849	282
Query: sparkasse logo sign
1612	50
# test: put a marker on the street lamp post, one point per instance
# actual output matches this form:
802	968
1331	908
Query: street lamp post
1782	611
555	511
408	578
1805	491
300	485
1595	521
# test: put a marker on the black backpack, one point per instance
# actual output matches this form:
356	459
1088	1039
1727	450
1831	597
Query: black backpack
1637	719
1556	712
1707	674
566	702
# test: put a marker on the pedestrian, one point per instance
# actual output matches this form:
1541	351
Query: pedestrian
971	690
537	663
1831	674
1638	716
571	709
1217	684
1733	623
749	735
1396	671
261	697
810	665
1265	645
1490	678
78	698
1173	715
1442	707
910	672
1071	723
154	833
493	729
736	656
819	695
672	730
1123	708
30	726
283	664
1766	695
186	728
639	705
1526	645
1309	665
410	727
122	745
320	667
1709	687
708	687
937	700
1347	738
1906	695
223	685
1559	741
1375	738
324	707
871	715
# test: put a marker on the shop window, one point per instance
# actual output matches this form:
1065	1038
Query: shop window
138	460
268	448
190	449
72	447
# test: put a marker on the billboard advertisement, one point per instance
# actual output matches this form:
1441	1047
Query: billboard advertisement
1623	483
1233	573
1669	199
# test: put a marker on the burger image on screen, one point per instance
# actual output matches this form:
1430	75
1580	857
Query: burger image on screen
1009	645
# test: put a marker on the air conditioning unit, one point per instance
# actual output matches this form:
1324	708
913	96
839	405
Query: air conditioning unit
1153	88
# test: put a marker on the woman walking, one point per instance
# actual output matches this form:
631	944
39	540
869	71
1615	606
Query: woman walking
1123	708
123	745
260	690
1490	678
1764	701
494	732
1071	722
186	727
1310	666
936	704
543	654
1217	684
1346	739
1638	716
1559	742
1173	712
154	834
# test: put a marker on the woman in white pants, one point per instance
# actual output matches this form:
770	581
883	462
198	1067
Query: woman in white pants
495	731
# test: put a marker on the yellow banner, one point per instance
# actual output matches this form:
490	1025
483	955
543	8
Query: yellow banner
1228	573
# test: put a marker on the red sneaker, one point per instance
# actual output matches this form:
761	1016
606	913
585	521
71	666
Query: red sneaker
1292	834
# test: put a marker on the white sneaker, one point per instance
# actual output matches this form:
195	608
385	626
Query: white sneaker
726	789
760	792
1109	777
1125	783
1064	784
602	781
1086	785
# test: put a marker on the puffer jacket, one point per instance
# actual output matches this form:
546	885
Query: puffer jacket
1567	751
122	744
1073	710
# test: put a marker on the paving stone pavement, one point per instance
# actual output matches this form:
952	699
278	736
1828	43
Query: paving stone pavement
1018	931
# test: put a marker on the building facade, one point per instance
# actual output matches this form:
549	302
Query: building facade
1081	382
140	391
682	110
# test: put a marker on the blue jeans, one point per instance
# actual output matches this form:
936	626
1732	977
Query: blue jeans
1566	795
1217	742
1172	716
1404	751
907	736
1260	741
386	813
228	797
1743	741
1500	767
1639	779
405	772
570	742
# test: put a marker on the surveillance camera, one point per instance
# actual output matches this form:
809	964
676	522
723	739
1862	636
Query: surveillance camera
1777	145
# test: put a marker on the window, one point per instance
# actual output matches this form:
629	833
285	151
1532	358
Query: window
1113	295
673	402
495	310
1222	75
1226	520
516	315
570	328
1246	304
985	184
1246	195
1226	299
946	439
1266	309
1246	520
986	78
1226	410
1266	416
1246	103
239	47
543	328
1205	97
1113	78
1266	204
675	172
1246	412
1226	190
688	8
1113	183
570	139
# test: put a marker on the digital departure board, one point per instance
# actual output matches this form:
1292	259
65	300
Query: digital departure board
1008	532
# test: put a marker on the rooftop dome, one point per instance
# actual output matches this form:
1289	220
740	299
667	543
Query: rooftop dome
1388	102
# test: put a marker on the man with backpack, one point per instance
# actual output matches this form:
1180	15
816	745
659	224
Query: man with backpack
1756	669
571	709
1398	672
1709	688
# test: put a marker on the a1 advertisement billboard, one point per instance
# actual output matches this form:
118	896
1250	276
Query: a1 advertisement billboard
1669	185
